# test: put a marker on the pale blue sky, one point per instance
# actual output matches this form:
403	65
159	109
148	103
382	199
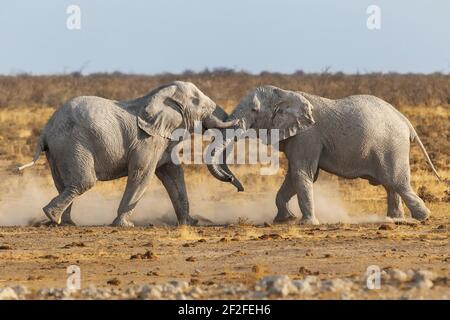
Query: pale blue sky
174	35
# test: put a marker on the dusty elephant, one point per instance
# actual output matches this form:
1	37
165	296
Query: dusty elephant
91	138
359	136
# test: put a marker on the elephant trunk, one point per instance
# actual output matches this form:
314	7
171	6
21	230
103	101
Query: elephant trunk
219	119
219	169
211	121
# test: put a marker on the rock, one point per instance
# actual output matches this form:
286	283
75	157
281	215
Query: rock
307	285
336	285
8	293
423	279
148	255
113	282
399	276
149	293
195	292
180	284
386	227
174	288
278	285
180	296
91	290
21	291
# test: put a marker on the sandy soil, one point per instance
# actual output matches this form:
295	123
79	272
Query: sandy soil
37	257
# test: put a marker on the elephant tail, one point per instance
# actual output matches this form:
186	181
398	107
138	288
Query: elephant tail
415	137
37	153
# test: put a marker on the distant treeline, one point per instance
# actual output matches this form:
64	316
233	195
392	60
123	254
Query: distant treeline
226	86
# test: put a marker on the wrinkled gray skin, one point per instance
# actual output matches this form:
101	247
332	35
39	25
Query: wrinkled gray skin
91	138
359	136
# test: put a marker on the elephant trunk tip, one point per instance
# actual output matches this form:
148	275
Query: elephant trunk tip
235	182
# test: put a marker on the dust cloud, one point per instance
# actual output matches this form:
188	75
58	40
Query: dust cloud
22	198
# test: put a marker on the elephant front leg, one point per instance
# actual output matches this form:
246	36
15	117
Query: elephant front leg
285	194
172	177
141	169
136	185
304	187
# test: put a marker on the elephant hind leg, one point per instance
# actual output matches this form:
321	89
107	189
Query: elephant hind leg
72	177
394	204
416	205
66	219
62	202
285	193
400	183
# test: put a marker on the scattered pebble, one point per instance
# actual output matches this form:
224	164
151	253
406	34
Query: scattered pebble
146	256
410	284
113	282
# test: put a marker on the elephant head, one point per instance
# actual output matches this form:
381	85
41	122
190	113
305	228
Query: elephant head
178	105
266	107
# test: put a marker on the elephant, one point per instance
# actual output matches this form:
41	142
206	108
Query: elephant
91	138
359	136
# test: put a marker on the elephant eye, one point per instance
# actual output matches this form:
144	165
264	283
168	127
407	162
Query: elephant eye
195	101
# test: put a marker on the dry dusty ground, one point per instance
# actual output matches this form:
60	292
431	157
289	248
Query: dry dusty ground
37	257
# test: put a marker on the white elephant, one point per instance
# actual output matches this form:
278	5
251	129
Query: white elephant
91	138
359	136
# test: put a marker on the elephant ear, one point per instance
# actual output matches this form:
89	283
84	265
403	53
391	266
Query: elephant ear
291	115
162	113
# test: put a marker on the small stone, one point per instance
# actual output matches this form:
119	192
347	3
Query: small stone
195	292
423	279
386	227
335	285
148	255
149	293
21	290
304	271
113	282
180	296
180	284
191	259
397	275
303	287
8	293
278	285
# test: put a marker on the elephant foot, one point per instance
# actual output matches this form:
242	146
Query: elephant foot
189	221
122	222
421	215
289	218
53	216
311	221
67	222
396	214
50	223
